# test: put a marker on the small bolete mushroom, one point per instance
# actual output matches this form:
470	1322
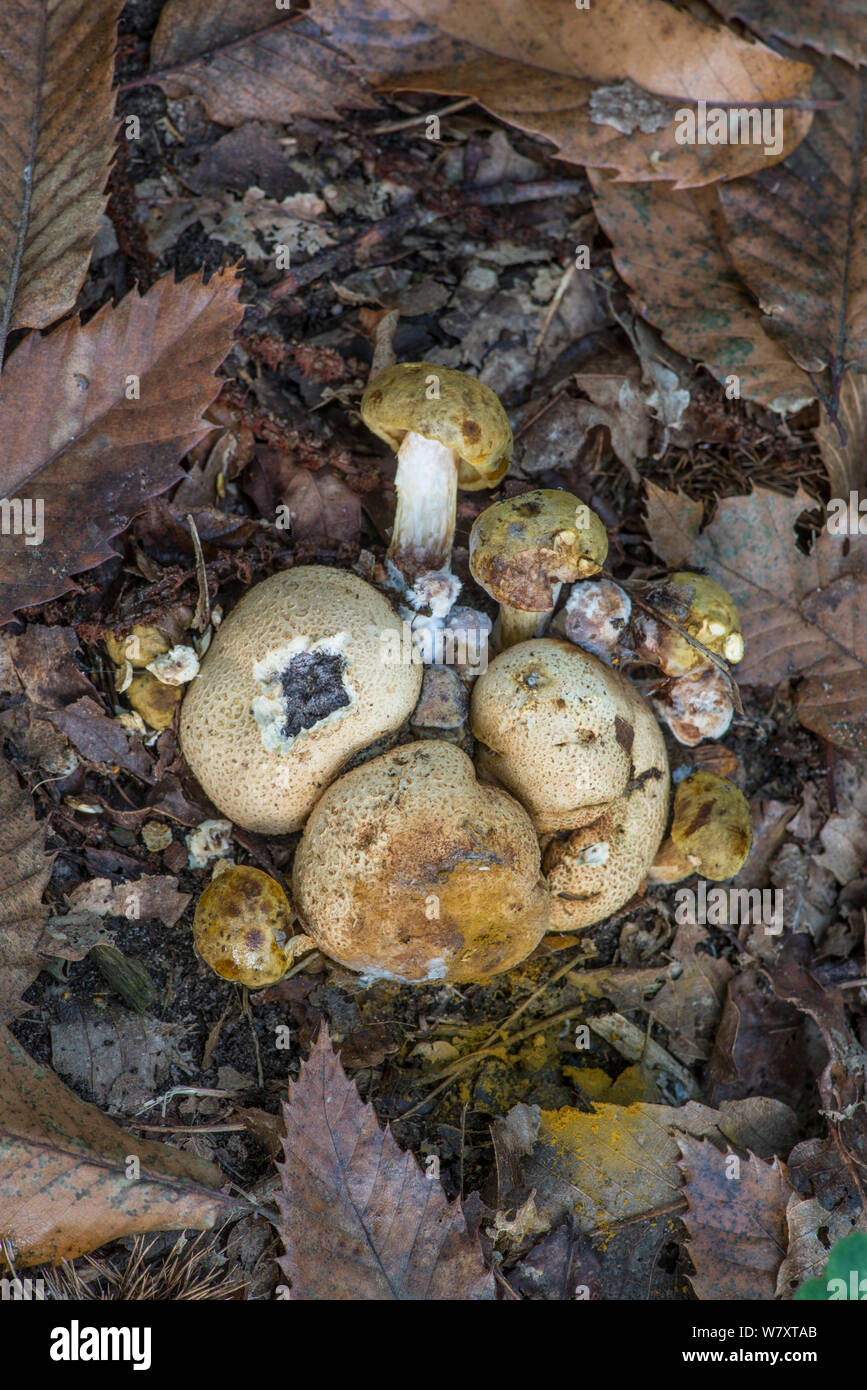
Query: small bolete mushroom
524	548
696	706
703	608
410	869
295	682
596	616
449	430
243	926
711	831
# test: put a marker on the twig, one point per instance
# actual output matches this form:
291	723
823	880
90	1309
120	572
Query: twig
377	234
202	615
423	116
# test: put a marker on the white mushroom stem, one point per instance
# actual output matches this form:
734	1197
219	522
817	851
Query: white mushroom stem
424	523
516	625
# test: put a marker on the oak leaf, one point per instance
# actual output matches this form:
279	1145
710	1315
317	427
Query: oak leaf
359	1218
94	419
65	1184
56	139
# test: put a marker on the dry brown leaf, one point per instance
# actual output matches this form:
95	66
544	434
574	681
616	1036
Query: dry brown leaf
831	26
619	1163
538	68
56	140
843	1083
803	616
359	1218
246	60
845	457
809	272
65	1184
813	1229
25	868
736	1221
667	248
759	1046
76	438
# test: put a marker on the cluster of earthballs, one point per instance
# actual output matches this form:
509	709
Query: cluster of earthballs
416	864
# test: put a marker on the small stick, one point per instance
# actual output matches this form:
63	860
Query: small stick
423	116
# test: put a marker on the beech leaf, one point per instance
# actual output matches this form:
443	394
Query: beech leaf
25	868
246	60
736	1221
809	272
56	129
94	419
539	66
668	249
834	27
65	1178
360	1219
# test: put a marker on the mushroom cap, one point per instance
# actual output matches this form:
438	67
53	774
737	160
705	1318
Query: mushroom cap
521	546
596	615
242	925
410	869
466	417
712	826
704	608
558	729
342	695
696	706
594	870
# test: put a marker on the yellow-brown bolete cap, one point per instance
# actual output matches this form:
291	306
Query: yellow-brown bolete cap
296	681
594	870
711	831
243	926
410	869
524	548
449	430
557	729
701	606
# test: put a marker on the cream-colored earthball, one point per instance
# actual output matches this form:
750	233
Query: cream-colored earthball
410	869
300	677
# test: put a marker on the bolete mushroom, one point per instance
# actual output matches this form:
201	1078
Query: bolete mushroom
243	927
711	831
596	616
701	606
295	682
523	549
695	706
449	430
410	869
